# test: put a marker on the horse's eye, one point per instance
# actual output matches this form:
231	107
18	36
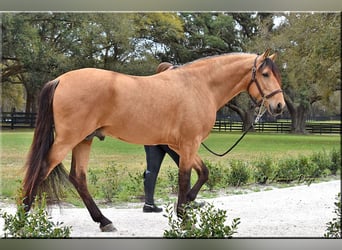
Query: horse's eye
265	75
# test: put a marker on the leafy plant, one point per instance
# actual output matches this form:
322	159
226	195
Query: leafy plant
172	176
34	224
335	164
334	227
286	170
216	175
110	182
238	174
204	222
263	170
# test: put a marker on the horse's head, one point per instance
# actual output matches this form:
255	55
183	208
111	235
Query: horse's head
265	85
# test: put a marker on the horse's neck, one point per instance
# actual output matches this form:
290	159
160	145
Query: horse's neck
227	76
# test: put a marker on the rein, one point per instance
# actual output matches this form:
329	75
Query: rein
261	112
262	109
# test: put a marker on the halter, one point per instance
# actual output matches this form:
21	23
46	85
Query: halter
254	80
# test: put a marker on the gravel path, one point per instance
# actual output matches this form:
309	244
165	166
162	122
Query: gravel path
300	211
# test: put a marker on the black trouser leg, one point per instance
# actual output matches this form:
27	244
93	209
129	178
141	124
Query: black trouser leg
154	158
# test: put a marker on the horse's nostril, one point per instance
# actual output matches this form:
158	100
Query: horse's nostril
279	107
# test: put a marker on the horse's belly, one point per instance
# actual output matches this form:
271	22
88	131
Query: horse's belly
137	134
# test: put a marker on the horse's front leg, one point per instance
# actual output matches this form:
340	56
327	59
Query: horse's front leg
184	175
203	175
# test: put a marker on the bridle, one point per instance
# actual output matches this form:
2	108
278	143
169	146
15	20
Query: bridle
254	80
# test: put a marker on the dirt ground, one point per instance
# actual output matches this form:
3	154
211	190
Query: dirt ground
300	211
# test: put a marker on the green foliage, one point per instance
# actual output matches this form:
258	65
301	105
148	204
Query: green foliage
335	164
238	173
286	170
333	229
106	184
306	168
217	175
204	222
172	178
263	170
34	224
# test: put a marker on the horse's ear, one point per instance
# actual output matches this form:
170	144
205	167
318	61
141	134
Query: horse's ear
273	57
266	53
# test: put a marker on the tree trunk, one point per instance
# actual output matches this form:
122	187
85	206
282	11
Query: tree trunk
31	100
298	116
247	116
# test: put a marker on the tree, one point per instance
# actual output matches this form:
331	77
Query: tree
309	54
32	50
37	47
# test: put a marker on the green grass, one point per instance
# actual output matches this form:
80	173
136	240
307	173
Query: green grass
131	158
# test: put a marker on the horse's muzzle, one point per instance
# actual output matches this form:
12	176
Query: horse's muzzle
276	109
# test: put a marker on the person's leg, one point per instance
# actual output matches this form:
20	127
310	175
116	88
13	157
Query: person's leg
154	158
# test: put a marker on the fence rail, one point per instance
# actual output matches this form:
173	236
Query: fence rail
12	120
279	127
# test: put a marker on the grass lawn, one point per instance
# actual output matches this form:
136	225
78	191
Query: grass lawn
15	146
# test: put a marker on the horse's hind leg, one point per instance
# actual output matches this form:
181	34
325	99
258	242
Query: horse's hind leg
79	162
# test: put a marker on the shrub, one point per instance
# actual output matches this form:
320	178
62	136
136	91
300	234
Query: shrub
335	164
286	170
238	173
217	175
106	184
33	224
263	170
172	177
322	161
333	229
135	184
308	169
204	222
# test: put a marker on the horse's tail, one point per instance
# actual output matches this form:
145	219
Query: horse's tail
43	138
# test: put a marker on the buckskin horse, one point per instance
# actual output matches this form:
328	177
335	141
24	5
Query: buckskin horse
175	107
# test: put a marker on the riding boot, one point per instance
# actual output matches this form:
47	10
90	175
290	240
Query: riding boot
149	186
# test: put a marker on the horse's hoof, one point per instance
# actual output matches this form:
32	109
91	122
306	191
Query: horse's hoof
108	228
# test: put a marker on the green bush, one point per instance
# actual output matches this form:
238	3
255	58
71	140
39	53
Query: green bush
286	170
238	173
308	169
172	179
217	175
263	170
204	222
106	184
335	164
34	224
322	161
333	229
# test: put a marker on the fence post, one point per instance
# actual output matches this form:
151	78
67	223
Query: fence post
12	119
32	119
